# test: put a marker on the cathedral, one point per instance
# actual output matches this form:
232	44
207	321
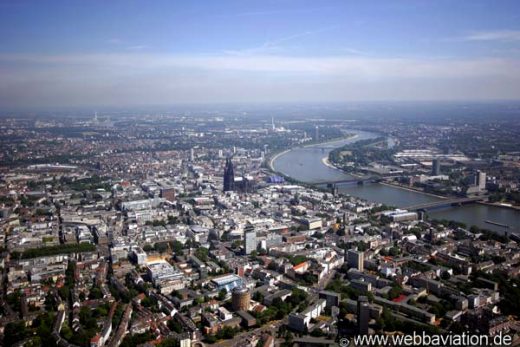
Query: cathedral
229	176
242	184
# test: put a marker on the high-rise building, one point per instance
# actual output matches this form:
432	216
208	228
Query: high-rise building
229	176
192	154
436	167
249	239
363	315
481	180
317	133
355	259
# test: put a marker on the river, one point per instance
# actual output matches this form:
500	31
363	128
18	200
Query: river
306	164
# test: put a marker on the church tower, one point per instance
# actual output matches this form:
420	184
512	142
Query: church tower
229	176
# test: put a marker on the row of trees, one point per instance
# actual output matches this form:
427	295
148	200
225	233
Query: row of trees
39	334
54	250
225	333
362	153
280	309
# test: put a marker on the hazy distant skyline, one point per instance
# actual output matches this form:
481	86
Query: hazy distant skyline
134	53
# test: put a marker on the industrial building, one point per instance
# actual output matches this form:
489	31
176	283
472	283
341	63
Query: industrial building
240	299
227	282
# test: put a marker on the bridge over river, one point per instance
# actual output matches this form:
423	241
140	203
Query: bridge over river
443	203
358	180
306	164
354	180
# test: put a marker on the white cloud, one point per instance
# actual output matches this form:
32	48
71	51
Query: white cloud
137	78
358	67
497	35
276	45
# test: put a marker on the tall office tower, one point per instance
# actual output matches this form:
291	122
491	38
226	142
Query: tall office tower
317	133
355	259
249	239
192	154
272	123
472	179
229	176
363	315
481	180
436	167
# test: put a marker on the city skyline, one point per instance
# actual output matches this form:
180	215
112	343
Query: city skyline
259	173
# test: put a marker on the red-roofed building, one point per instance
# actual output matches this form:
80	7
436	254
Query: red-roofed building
259	308
301	268
400	298
96	341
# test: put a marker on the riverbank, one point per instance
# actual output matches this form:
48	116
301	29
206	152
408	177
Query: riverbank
271	160
309	166
328	142
496	204
326	162
274	157
410	189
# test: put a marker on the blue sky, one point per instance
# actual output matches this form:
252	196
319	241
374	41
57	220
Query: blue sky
124	53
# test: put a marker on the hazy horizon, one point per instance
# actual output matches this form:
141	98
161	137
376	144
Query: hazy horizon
72	54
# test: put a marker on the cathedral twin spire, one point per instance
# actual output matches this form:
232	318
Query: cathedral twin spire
229	175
